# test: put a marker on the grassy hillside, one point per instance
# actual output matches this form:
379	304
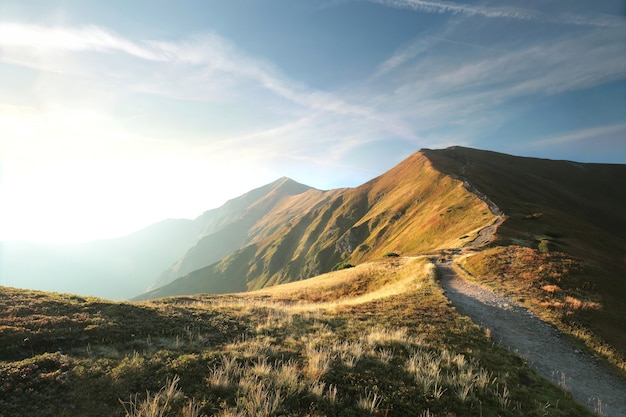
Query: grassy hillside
235	224
413	208
378	339
571	215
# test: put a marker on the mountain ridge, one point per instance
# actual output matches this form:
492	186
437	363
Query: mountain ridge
354	224
227	228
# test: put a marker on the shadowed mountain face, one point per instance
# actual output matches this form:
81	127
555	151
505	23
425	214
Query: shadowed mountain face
577	208
564	206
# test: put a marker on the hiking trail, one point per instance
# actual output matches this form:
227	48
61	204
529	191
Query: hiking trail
543	346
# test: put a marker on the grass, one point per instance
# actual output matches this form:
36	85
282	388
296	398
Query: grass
559	288
342	344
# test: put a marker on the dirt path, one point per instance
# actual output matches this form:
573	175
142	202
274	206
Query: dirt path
517	329
539	343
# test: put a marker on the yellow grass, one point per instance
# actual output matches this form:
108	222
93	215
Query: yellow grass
379	280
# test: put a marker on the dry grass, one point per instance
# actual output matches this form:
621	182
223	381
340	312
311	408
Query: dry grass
365	350
559	288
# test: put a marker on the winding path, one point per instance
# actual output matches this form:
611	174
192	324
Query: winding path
539	343
517	329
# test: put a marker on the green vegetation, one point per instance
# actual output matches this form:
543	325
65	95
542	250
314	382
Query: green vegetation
545	246
378	339
342	265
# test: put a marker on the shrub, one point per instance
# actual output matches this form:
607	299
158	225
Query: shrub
545	246
342	265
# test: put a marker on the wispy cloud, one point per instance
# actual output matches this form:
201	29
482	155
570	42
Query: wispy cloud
465	91
514	13
402	55
83	38
615	133
459	8
562	64
212	58
291	119
218	55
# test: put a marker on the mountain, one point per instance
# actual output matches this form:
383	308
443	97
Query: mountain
412	208
113	268
433	200
122	267
235	224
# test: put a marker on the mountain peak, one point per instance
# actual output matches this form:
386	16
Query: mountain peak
289	186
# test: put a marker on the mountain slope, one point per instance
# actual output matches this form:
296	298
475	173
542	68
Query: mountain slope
411	208
577	208
562	246
233	225
122	267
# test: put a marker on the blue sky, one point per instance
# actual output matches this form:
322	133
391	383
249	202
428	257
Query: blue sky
114	115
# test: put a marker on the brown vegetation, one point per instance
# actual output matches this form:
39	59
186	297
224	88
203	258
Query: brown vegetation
561	289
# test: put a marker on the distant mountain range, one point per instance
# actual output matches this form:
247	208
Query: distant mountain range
286	231
123	267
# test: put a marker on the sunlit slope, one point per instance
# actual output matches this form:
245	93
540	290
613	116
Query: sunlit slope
237	223
412	208
367	282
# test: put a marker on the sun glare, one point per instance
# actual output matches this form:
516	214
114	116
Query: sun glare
75	175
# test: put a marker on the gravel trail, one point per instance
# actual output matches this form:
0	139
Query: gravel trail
539	343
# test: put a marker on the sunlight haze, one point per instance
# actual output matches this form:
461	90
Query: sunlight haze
116	115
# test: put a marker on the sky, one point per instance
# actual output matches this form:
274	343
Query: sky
115	115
